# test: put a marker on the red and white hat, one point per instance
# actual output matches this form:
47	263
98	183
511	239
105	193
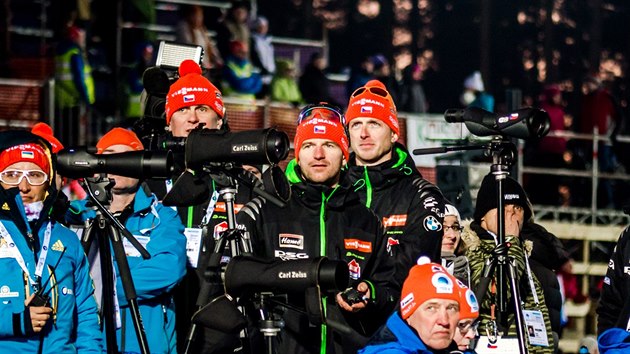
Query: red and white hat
318	128
373	101
192	89
30	152
426	281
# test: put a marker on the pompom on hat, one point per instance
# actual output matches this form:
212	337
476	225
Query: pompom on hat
45	131
426	281
373	101
318	128
119	136
192	89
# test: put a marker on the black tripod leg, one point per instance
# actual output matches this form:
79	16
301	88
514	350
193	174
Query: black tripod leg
129	288
107	287
518	312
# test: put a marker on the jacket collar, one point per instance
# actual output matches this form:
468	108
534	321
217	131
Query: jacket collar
400	165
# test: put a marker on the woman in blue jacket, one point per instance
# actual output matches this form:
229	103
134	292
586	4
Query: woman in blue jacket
38	253
161	232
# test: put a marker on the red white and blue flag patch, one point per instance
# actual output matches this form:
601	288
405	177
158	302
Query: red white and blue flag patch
366	109
319	129
189	98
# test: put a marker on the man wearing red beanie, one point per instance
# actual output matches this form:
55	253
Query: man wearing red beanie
428	316
323	218
384	175
159	230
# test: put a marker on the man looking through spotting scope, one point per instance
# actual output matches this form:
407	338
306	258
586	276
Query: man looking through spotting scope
324	218
481	238
158	229
192	102
47	293
384	175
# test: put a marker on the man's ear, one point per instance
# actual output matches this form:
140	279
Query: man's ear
394	137
220	123
344	162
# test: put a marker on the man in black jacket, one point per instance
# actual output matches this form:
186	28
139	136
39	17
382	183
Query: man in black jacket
384	174
323	218
613	310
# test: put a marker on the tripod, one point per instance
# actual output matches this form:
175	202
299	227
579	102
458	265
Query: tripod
503	153
106	227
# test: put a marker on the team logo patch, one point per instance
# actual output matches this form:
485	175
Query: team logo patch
442	283
58	246
357	245
291	241
366	109
395	220
189	98
219	229
222	208
319	129
390	243
355	269
431	223
5	291
472	301
27	154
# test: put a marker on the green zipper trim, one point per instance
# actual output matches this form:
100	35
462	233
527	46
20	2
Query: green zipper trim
372	289
291	173
368	188
189	221
322	252
324	338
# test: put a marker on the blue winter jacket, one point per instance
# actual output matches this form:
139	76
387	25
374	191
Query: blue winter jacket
405	340
74	326
161	232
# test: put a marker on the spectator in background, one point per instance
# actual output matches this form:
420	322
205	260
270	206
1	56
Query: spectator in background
599	109
383	73
360	75
74	86
284	87
234	27
263	56
239	78
192	30
313	83
550	150
453	258
474	94
412	97
135	86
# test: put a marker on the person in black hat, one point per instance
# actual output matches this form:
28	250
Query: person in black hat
481	238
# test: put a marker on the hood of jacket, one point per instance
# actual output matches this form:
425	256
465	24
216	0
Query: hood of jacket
383	175
312	194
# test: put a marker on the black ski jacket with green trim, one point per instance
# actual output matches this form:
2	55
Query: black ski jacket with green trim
332	222
410	208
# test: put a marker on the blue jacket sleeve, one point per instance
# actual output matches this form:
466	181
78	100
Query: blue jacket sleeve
89	339
167	265
77	65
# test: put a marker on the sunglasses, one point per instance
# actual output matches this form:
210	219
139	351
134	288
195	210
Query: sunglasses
321	110
15	177
466	326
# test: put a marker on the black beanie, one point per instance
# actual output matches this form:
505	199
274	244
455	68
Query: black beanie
513	193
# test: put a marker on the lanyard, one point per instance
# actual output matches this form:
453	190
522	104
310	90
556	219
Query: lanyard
18	256
210	209
530	278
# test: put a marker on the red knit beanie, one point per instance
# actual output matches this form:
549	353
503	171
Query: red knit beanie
30	152
119	136
373	101
317	128
192	89
426	281
45	131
